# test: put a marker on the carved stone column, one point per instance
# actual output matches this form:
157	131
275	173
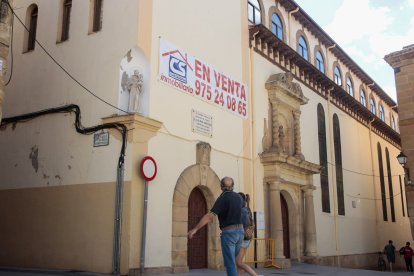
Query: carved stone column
310	227
296	127
275	218
275	125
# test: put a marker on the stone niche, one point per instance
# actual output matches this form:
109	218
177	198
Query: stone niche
282	132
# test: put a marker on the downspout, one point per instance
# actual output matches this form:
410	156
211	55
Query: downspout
331	147
373	178
327	56
289	15
252	136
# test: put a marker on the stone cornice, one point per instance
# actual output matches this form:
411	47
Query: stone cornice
135	120
293	162
140	128
306	21
266	44
394	59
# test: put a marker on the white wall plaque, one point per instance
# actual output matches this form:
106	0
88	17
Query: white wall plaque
260	221
101	139
201	123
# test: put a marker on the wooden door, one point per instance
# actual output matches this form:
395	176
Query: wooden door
197	246
285	223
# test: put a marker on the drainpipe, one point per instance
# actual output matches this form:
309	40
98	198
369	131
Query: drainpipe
252	136
335	216
327	57
289	32
116	261
373	179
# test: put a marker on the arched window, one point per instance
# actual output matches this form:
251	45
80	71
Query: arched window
381	113
67	6
337	76
253	11
390	188
338	165
362	98
303	47
31	42
320	62
382	184
277	27
372	105
97	15
349	86
393	125
323	160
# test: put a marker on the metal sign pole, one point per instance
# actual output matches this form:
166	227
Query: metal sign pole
144	229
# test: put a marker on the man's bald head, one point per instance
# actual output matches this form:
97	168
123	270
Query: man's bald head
227	184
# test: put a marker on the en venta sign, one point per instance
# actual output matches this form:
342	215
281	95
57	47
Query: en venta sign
194	77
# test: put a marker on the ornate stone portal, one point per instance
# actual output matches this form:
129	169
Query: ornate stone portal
286	172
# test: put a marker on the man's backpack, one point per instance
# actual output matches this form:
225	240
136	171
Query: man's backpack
402	250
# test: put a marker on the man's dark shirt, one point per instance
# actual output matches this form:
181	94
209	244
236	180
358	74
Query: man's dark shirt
228	208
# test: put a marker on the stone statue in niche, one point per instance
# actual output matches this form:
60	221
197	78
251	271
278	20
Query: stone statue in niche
282	140
134	85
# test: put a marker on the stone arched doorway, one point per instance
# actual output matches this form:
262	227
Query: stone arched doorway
202	177
285	225
292	230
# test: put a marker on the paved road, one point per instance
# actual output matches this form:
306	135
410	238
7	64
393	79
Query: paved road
298	269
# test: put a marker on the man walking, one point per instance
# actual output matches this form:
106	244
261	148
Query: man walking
228	208
408	254
389	250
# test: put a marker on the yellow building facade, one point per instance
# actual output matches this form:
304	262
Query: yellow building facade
247	89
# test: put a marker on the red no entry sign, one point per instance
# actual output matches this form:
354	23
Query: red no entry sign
148	168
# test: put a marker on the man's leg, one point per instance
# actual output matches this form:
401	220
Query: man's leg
229	239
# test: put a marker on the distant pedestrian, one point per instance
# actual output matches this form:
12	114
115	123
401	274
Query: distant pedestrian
228	208
408	255
389	251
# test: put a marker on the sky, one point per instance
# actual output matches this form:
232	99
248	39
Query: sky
367	30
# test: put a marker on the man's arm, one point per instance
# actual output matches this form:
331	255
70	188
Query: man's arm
203	221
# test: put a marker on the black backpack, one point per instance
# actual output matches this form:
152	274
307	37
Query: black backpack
402	250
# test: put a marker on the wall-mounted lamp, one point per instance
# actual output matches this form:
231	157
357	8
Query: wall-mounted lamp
402	159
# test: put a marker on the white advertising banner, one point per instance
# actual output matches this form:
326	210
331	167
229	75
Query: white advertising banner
196	78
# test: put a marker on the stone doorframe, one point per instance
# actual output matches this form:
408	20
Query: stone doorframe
203	177
285	169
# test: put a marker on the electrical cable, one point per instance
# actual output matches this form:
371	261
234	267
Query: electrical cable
364	174
61	67
72	108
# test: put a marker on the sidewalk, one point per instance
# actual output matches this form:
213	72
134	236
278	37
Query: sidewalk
298	269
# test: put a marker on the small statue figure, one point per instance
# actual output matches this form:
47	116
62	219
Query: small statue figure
134	84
